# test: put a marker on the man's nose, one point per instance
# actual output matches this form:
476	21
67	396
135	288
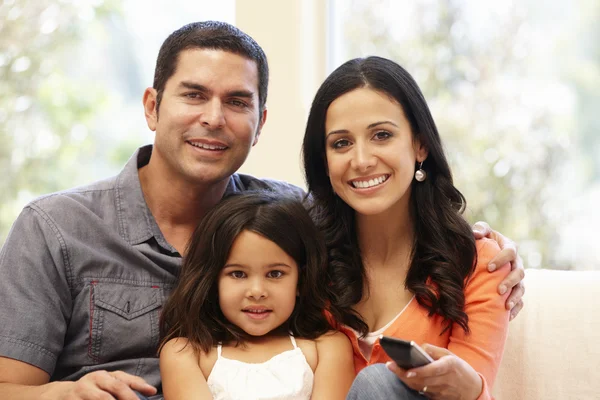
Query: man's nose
212	116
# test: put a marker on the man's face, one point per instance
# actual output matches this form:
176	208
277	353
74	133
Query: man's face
208	119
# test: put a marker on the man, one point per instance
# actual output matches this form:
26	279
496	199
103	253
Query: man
85	271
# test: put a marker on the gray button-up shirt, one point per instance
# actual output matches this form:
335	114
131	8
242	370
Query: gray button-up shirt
83	276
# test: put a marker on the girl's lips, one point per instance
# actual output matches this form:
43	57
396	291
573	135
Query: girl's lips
258	315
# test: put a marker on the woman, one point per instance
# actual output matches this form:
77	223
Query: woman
403	261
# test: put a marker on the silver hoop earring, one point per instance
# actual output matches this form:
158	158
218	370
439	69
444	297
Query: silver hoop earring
420	174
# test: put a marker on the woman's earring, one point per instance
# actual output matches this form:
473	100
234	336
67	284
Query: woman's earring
420	174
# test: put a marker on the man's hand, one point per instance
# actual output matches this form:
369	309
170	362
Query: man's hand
508	253
19	380
101	385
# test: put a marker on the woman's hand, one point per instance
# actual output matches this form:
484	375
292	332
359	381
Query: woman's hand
448	377
508	253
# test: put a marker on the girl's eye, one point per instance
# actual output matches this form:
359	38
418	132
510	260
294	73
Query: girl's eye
338	144
275	274
382	135
237	274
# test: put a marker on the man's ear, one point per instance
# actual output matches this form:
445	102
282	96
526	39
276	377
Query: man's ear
149	101
263	119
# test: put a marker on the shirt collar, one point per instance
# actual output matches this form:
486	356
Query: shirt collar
135	218
137	224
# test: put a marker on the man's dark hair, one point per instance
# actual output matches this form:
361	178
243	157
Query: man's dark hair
212	35
192	311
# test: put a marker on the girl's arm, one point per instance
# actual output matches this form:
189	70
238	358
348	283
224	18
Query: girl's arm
182	378
335	367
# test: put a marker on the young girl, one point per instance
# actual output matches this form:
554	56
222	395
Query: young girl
246	319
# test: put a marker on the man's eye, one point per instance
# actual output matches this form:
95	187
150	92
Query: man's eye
275	274
193	95
238	103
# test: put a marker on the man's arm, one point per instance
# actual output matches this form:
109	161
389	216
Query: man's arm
21	381
508	254
36	303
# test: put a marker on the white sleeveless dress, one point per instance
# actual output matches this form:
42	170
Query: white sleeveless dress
285	376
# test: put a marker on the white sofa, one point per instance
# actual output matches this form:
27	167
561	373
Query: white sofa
553	348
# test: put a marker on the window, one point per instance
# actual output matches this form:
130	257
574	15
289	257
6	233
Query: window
514	88
72	74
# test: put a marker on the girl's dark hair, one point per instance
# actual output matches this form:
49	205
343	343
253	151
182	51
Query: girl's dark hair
192	311
444	252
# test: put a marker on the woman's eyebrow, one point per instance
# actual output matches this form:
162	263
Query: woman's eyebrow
370	126
374	124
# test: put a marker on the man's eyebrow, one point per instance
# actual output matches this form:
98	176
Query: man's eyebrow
195	86
201	88
241	93
370	126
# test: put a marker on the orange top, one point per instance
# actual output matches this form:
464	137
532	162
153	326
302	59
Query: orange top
488	322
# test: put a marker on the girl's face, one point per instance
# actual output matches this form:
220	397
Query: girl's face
257	285
370	152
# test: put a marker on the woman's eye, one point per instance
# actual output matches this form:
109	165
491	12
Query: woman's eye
382	135
275	274
338	144
237	274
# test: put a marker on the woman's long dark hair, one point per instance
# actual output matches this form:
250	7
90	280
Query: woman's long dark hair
192	311
444	253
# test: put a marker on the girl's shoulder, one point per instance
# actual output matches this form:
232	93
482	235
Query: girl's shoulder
309	349
180	350
178	346
332	342
181	347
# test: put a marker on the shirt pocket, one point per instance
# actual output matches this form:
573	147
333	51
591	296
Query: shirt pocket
124	321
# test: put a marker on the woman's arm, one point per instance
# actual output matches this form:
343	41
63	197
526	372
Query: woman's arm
467	369
335	367
182	378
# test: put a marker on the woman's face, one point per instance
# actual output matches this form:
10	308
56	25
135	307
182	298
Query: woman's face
370	152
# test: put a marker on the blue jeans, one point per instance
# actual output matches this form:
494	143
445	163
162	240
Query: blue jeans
376	382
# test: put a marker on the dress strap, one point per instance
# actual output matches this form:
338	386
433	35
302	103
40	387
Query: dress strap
219	350
293	341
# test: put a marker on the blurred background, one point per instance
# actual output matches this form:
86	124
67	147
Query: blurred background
514	87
